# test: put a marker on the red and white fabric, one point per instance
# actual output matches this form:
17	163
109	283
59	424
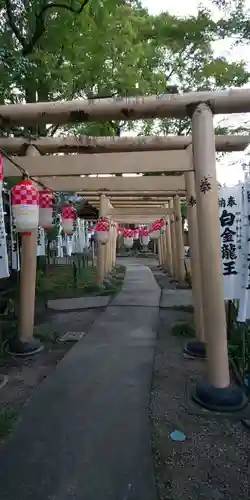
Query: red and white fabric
69	217
46	201
25	206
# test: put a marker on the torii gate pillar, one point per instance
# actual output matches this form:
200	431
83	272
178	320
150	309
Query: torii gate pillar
216	393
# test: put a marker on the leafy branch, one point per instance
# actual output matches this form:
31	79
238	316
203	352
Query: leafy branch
40	22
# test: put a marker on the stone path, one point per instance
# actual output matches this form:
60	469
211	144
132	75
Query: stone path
78	303
86	434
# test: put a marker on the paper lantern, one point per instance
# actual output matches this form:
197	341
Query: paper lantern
25	206
46	209
155	229
69	217
103	231
128	238
136	234
144	233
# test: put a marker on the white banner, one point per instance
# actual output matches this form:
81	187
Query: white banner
4	261
69	245
59	245
14	250
230	208
41	250
244	307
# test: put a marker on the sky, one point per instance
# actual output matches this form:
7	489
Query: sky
229	170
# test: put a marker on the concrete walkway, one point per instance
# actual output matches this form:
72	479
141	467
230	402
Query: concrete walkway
86	433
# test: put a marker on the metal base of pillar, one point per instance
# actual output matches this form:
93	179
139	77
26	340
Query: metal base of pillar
22	349
196	349
228	399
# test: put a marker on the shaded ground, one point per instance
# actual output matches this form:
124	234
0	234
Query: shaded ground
213	463
86	434
24	375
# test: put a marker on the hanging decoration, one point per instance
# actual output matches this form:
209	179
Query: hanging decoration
25	206
68	220
144	234
59	246
136	234
41	248
230	209
128	237
103	231
244	276
155	229
4	264
163	227
69	245
14	242
46	201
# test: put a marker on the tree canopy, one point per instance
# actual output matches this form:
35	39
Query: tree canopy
65	49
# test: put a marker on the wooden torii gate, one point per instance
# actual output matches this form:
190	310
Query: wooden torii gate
216	392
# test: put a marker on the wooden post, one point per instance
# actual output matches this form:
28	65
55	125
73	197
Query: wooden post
101	248
173	242
179	240
114	238
168	246
164	251
195	348
217	392
26	345
159	251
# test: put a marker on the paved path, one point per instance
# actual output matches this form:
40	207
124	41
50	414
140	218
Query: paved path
86	433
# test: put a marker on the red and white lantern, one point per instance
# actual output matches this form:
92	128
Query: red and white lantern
103	231
46	200
69	217
136	234
144	233
155	229
25	206
128	238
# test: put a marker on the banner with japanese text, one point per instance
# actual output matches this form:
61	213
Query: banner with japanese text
230	209
244	303
4	261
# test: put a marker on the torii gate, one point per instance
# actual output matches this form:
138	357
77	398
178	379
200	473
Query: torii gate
217	392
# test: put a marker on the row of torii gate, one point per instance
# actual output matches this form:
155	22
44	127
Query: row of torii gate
143	199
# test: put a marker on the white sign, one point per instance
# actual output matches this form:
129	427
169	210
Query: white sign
14	250
4	263
230	208
69	245
59	242
41	250
244	307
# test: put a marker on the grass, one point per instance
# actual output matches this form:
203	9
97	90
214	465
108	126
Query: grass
188	309
8	418
59	282
184	330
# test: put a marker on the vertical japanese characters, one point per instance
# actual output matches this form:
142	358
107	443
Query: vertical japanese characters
230	223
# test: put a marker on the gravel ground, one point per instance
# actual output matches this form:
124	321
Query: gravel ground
24	375
213	463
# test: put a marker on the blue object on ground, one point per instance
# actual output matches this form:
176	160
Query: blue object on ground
177	436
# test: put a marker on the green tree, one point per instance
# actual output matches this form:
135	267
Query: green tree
71	49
